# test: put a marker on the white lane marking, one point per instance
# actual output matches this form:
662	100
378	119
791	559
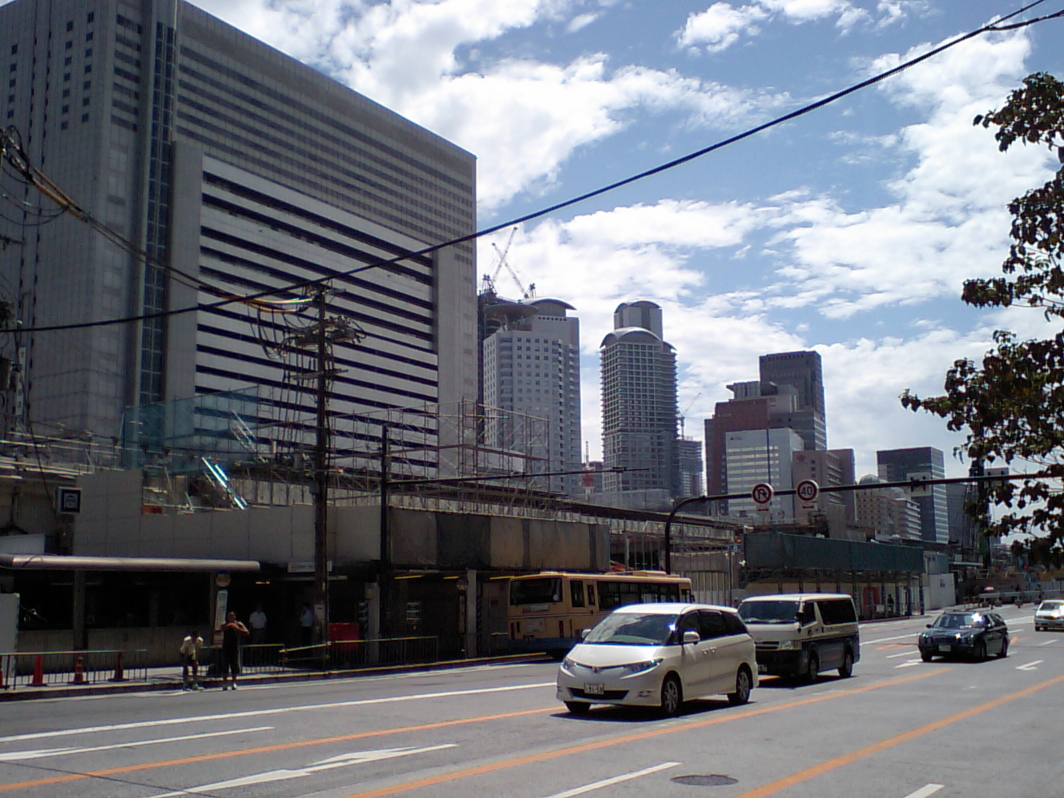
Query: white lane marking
926	790
888	639
343	760
909	664
1030	666
17	756
1047	643
275	711
598	785
902	654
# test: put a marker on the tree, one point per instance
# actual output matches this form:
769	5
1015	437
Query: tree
1012	404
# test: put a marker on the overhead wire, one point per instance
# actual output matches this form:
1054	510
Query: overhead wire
993	27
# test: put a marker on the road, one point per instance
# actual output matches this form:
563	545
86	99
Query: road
899	728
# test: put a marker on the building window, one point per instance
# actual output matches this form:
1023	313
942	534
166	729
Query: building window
70	25
84	117
88	36
91	17
88	68
69	45
14	49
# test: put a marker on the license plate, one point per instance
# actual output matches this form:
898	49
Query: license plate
945	648
592	688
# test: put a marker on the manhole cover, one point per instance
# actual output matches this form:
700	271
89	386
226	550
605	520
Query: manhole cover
712	780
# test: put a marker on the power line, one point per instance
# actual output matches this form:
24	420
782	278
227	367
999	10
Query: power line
806	109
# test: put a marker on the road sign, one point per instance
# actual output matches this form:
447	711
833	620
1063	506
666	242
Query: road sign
762	493
807	490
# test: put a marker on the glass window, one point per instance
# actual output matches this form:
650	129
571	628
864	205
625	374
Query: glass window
576	592
712	624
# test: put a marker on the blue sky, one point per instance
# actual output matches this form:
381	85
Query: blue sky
849	231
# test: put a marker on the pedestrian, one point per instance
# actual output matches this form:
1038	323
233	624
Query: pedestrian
232	632
258	625
306	625
190	647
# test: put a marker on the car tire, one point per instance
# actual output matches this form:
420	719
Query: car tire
580	708
813	668
979	652
1004	650
671	695
846	668
743	684
926	656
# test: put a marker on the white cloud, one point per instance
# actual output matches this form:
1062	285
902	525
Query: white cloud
720	26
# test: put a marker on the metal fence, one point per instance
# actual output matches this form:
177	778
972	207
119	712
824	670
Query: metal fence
43	668
353	654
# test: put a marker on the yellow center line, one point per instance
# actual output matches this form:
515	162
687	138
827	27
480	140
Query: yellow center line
875	748
628	738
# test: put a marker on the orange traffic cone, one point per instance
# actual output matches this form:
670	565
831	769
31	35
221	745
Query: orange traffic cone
38	672
119	673
79	670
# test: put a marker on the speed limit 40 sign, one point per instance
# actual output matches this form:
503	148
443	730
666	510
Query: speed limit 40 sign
807	490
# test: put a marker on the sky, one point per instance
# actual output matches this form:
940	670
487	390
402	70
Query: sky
849	231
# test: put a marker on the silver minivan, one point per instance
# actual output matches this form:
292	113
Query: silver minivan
799	635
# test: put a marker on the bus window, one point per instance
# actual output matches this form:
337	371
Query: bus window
591	593
576	590
546	590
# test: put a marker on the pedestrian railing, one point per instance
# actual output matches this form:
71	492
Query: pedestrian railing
353	654
255	658
51	668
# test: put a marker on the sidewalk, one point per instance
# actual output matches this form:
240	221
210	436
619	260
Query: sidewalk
169	678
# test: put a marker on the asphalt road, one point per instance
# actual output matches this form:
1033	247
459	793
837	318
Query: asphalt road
899	728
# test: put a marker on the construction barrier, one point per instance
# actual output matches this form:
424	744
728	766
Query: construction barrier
120	675
79	670
38	672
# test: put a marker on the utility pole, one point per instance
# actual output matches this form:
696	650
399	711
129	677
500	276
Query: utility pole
321	477
318	338
384	573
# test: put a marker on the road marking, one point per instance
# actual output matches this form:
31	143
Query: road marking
926	790
827	696
824	767
598	785
261	712
1030	666
909	636
343	760
545	756
902	654
1047	643
17	756
910	664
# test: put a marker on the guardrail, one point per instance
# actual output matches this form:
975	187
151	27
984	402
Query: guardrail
352	654
44	668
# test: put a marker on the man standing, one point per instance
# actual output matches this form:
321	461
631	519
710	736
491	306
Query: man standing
258	625
232	632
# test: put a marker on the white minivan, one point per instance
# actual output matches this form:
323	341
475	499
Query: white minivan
659	655
798	635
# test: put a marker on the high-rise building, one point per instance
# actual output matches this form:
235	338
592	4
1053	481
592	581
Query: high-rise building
240	173
639	404
803	372
761	456
691	468
532	367
900	465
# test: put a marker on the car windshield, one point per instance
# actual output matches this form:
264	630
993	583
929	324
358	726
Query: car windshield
1051	605
960	620
543	590
768	611
633	629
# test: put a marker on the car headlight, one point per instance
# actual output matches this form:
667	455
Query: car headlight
640	667
568	665
786	645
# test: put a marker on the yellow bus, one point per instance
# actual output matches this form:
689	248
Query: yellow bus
548	610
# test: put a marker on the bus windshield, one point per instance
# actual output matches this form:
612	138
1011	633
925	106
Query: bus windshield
769	611
544	590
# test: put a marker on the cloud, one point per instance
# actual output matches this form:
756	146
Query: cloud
720	26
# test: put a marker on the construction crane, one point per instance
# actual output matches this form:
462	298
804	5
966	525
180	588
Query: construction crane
681	416
489	281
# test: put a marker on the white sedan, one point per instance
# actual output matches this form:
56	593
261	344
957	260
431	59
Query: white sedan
660	655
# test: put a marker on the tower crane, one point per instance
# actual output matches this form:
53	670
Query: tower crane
681	416
489	281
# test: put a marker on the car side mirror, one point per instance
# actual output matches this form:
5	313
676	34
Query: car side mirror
929	626
584	633
690	636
